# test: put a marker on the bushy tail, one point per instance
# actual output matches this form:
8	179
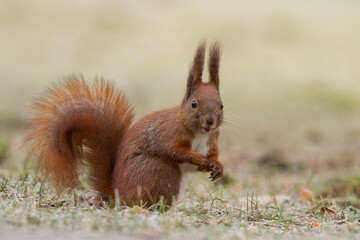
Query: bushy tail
76	124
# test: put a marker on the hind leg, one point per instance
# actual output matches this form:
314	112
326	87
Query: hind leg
147	179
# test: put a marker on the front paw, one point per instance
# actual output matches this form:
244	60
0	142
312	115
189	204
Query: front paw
217	170
205	166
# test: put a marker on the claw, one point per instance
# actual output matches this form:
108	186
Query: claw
217	175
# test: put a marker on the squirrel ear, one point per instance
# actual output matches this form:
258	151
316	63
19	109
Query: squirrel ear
195	73
214	63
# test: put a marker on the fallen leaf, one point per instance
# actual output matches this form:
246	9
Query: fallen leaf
137	209
313	224
306	195
328	212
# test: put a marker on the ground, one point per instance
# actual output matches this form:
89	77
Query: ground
289	83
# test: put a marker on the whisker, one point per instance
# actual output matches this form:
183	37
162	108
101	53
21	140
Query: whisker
232	126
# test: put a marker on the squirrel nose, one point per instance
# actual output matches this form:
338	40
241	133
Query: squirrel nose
209	120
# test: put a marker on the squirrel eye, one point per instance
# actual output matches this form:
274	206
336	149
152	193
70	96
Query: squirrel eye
221	106
193	104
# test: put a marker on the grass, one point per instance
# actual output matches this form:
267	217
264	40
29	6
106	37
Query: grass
229	209
31	203
259	196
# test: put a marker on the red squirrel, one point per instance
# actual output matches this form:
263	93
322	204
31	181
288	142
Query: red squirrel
78	125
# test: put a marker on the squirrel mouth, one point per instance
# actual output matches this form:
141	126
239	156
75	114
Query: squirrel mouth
206	129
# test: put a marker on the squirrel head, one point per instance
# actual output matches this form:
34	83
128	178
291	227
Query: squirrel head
202	107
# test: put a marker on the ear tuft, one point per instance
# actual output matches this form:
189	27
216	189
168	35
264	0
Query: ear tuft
214	63
196	69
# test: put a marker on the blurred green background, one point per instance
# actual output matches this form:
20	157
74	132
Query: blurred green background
289	72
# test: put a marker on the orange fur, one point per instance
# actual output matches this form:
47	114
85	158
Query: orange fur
76	124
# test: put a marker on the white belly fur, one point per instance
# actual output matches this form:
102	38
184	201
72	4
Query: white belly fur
199	145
